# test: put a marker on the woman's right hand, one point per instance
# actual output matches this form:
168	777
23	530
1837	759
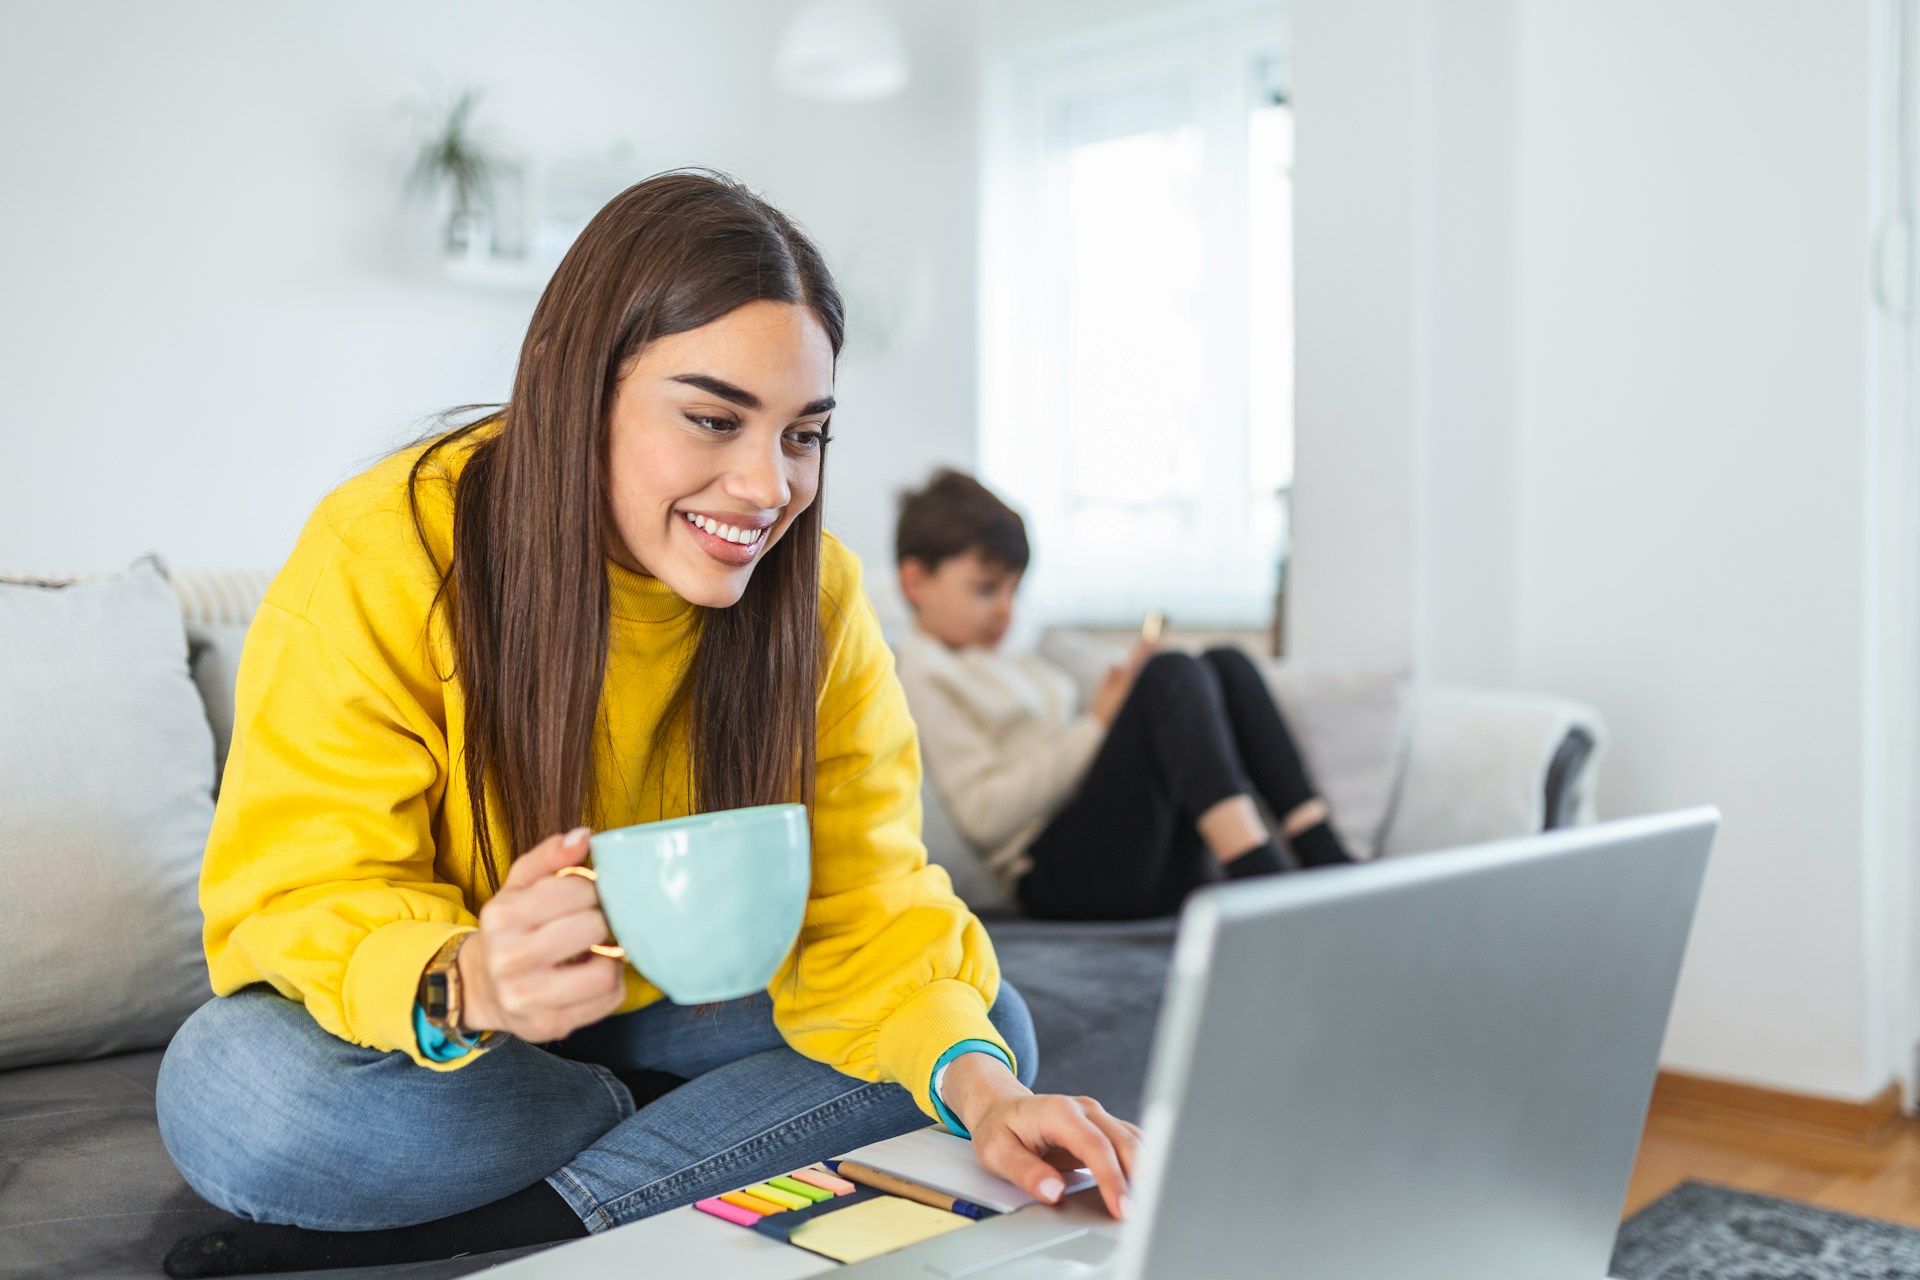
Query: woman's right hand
528	971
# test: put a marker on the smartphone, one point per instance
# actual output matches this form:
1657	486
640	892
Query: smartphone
1151	628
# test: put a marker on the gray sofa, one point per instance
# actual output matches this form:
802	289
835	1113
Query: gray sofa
86	1188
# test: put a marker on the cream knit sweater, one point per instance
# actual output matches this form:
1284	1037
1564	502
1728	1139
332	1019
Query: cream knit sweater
1003	740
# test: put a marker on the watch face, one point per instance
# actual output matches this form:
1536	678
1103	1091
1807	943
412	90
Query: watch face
433	996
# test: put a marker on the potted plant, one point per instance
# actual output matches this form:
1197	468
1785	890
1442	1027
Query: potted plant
450	157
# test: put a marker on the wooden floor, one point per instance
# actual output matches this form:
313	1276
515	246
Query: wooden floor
1879	1181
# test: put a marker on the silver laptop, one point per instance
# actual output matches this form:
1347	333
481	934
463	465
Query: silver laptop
1435	1068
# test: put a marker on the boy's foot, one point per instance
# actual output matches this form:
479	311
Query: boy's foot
1261	860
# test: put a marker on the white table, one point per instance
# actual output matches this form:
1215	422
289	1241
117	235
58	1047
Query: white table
680	1242
691	1243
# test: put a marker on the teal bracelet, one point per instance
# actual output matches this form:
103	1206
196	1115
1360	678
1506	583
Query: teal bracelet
940	1108
435	1043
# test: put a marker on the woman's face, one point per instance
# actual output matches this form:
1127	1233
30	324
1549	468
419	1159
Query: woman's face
714	447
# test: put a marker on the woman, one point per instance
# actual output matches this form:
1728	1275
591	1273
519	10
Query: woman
610	601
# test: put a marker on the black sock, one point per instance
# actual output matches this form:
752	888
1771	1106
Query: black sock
531	1215
1261	860
1317	846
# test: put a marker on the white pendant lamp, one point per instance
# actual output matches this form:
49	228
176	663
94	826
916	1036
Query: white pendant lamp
842	51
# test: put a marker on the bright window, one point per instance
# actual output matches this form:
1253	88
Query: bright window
1137	318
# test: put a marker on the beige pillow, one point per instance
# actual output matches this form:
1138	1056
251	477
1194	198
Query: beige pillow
1350	724
106	799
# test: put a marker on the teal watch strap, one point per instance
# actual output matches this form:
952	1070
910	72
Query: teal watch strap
434	1042
940	1107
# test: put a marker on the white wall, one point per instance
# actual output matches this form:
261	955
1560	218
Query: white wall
1633	313
1694	399
1466	532
207	319
1350	589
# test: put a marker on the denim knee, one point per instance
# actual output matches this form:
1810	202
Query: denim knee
1011	1018
211	1087
273	1118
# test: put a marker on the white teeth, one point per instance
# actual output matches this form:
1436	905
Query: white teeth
732	533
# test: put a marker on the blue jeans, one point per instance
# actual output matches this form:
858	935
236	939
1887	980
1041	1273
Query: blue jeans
274	1119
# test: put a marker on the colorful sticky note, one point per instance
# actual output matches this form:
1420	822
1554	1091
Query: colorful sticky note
754	1203
825	1181
731	1212
873	1227
813	1194
776	1195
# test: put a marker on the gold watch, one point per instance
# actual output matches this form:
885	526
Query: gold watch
440	995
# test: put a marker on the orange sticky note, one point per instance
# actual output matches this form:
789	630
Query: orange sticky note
747	1200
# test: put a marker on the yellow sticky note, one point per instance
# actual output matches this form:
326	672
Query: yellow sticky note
873	1227
784	1198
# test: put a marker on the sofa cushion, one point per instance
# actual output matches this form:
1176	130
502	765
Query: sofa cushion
1094	990
1350	724
213	650
90	1189
218	607
107	764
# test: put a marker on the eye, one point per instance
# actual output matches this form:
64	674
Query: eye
707	422
809	439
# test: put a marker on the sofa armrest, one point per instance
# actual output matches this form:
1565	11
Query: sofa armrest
1485	764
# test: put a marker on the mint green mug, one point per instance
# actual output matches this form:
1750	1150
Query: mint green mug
705	907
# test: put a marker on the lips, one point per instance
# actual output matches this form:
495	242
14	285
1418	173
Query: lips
744	530
724	541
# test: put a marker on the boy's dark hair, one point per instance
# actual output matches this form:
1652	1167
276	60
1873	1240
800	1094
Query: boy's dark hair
953	514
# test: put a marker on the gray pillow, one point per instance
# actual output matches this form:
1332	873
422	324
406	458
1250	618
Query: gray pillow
213	650
106	799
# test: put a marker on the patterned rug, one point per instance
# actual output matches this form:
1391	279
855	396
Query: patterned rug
1703	1232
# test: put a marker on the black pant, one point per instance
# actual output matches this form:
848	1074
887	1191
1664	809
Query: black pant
1188	736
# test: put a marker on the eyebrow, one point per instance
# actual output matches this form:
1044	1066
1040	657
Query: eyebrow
741	396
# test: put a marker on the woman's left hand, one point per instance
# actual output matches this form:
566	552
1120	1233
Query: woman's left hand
1027	1138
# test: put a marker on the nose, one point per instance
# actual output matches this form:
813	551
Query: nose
759	473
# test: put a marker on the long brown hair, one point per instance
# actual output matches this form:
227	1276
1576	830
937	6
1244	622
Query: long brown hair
531	524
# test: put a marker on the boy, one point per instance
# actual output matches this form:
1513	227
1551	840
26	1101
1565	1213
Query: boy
1114	811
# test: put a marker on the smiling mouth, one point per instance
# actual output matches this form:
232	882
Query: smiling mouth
730	544
748	537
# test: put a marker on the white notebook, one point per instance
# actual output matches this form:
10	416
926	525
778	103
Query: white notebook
935	1158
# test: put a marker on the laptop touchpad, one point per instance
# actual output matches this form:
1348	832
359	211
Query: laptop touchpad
1080	1254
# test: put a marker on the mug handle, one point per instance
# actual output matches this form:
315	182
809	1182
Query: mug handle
598	948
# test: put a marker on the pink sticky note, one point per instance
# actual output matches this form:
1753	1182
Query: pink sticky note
822	1179
731	1212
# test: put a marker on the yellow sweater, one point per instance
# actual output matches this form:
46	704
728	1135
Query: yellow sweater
341	851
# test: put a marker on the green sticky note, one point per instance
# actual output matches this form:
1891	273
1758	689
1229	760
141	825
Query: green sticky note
799	1188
